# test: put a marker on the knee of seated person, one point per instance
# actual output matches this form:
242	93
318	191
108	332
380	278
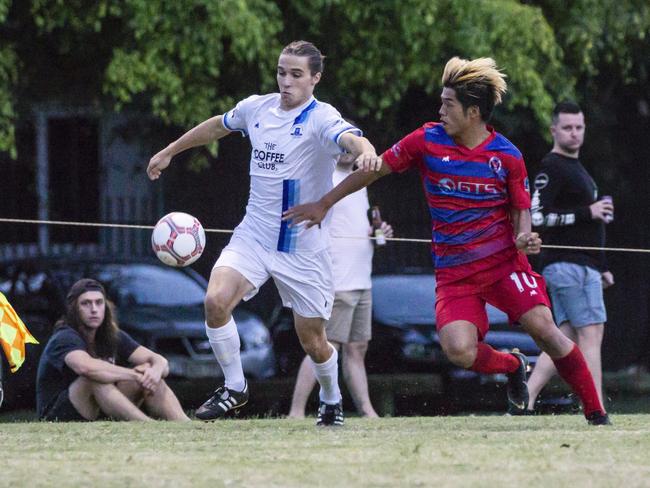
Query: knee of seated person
128	386
101	387
162	388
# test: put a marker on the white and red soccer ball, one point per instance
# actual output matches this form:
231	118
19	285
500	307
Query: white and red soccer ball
178	239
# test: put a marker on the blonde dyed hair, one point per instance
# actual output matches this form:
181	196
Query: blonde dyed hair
476	82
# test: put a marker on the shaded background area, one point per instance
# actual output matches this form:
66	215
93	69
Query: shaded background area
134	74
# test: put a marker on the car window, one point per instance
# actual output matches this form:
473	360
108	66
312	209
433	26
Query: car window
410	299
144	284
404	299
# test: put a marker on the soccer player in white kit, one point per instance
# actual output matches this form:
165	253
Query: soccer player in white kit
295	140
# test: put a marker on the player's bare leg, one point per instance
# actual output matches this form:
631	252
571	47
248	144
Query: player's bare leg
545	369
568	359
459	340
227	287
538	322
305	382
324	357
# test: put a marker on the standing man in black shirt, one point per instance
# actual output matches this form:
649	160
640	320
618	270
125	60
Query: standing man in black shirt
90	366
567	210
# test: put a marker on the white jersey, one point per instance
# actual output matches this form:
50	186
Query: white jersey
292	160
351	257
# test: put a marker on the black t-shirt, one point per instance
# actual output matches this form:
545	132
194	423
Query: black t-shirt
54	375
562	194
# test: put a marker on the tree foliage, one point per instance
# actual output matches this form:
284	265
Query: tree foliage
598	36
8	77
183	61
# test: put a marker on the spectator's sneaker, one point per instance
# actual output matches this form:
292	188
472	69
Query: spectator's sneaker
517	387
598	418
330	414
223	401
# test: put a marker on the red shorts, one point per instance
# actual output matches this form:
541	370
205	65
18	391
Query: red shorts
514	294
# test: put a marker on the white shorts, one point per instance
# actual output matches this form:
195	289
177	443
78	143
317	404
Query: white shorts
304	280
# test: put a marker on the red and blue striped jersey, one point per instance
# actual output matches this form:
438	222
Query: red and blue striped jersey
469	193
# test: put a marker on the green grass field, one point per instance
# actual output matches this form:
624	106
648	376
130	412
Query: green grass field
549	451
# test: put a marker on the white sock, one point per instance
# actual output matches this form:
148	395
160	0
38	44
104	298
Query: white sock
327	374
225	345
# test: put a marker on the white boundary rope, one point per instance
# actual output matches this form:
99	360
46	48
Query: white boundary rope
230	231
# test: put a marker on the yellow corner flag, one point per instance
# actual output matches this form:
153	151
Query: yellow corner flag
13	335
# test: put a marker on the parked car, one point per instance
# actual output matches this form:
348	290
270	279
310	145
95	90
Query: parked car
404	332
160	306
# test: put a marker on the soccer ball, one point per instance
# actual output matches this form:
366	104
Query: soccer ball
178	239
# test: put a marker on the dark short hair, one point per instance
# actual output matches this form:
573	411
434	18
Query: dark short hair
308	50
565	107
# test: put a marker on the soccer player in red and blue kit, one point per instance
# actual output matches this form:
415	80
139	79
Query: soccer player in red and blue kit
476	185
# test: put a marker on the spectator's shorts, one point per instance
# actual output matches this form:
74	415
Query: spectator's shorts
577	294
351	319
514	294
62	410
304	280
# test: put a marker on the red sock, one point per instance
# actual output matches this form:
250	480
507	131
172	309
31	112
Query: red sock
573	369
489	361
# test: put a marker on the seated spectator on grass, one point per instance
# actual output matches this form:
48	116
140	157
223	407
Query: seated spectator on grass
90	368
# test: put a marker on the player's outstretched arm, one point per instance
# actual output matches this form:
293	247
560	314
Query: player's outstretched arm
362	150
204	133
314	212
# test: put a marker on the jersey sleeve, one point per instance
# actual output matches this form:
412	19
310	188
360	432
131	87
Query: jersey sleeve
331	126
518	185
62	344
125	347
406	153
548	185
237	118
